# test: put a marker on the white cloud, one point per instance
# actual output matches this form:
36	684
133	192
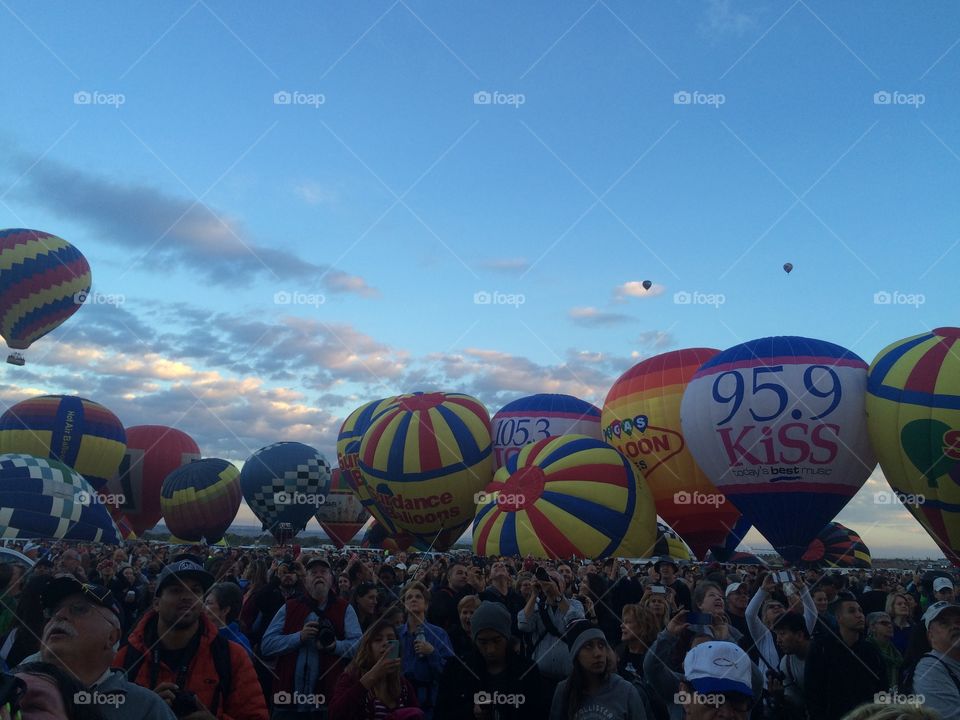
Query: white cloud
592	317
635	289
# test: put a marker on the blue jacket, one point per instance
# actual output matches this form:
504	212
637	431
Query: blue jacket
424	672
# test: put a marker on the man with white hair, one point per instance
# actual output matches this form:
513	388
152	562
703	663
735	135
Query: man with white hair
937	676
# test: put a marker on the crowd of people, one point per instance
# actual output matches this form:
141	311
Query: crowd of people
150	631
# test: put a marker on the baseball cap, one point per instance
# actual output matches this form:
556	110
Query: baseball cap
718	667
942	584
64	586
665	561
934	611
317	560
185	569
732	588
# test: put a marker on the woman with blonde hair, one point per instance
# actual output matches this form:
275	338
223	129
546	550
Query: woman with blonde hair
900	611
660	604
373	685
424	647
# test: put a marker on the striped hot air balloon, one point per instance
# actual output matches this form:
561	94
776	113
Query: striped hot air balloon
200	500
341	515
571	496
80	433
43	498
348	455
43	281
528	419
425	458
837	546
913	414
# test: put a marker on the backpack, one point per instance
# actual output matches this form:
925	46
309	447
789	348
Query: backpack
906	684
219	649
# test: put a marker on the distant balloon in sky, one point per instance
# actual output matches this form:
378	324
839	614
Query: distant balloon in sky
647	284
787	267
43	281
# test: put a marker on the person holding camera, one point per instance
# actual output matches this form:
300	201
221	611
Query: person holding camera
546	616
312	636
176	651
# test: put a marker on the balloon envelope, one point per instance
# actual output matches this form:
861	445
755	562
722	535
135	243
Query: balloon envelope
647	284
669	544
913	410
348	455
201	499
80	433
641	418
43	281
571	496
837	546
341	515
153	452
779	425
528	419
284	484
43	498
787	267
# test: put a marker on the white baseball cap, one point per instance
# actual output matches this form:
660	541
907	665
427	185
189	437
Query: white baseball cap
942	583
718	667
732	588
934	611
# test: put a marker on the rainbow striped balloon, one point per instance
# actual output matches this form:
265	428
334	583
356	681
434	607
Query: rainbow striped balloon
43	281
424	459
348	455
571	496
80	433
199	500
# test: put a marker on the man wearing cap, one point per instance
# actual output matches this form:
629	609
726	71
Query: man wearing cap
717	675
937	676
491	674
737	596
81	637
943	590
312	637
176	651
667	570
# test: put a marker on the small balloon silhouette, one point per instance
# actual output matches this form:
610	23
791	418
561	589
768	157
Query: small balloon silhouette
787	267
647	284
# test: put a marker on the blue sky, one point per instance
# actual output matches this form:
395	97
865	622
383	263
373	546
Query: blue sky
390	192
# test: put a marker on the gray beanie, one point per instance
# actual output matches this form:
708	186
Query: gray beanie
587	633
490	616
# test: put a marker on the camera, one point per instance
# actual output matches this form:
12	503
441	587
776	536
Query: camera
541	574
326	636
184	703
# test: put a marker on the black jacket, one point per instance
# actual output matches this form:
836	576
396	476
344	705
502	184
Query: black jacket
462	684
838	678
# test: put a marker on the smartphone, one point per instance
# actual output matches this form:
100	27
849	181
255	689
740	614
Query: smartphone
658	590
699	618
541	574
784	576
394	650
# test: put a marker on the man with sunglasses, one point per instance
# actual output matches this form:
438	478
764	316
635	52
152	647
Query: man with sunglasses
80	637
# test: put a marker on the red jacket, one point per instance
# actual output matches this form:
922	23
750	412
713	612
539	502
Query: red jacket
245	702
352	701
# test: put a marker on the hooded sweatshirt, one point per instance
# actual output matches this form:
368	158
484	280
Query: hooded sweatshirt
616	699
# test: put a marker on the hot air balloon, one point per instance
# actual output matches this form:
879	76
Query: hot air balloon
787	267
153	452
341	515
738	558
571	496
779	426
641	418
44	498
43	281
732	541
80	433
200	500
837	546
913	413
669	544
647	284
425	458
284	484
348	454
533	418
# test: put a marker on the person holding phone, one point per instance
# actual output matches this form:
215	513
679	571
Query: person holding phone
373	685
